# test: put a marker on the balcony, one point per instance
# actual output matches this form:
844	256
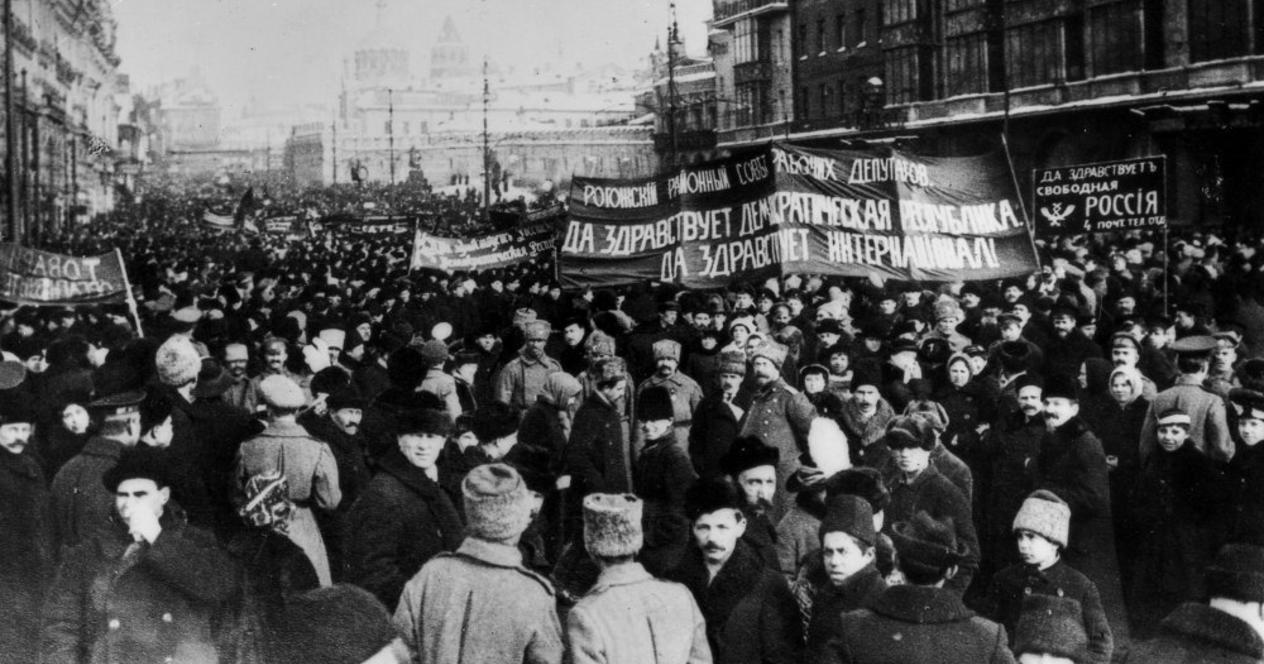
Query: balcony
746	72
728	12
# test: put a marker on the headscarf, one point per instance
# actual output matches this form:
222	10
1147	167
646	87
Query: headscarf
1134	380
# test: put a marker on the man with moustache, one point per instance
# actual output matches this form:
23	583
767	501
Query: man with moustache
26	550
717	418
779	415
751	616
1072	465
339	428
521	380
1068	348
685	392
752	467
243	393
1008	452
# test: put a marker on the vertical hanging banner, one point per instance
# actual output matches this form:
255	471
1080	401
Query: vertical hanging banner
1125	195
783	209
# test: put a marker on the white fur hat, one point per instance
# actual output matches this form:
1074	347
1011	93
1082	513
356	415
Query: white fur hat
827	445
178	361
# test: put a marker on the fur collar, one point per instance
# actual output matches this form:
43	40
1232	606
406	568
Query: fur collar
921	605
1204	624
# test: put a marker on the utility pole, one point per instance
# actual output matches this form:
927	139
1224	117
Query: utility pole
672	33
390	129
10	129
487	182
333	144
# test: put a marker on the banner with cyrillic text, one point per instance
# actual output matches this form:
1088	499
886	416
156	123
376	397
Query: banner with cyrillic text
31	276
483	252
786	209
1125	195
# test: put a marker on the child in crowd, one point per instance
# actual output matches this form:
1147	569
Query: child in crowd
1042	528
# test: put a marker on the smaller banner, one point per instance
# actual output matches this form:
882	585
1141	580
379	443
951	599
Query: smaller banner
1122	195
218	221
379	226
482	252
31	276
281	225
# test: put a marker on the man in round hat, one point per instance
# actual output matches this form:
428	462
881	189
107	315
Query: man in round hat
80	506
779	414
717	417
434	354
630	617
843	576
145	587
751	466
479	603
403	517
685	392
661	474
921	621
1209	424
26	550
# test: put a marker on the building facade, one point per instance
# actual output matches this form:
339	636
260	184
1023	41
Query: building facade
751	44
684	106
66	112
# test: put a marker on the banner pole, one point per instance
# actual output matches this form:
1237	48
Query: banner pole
1022	204
131	298
1167	256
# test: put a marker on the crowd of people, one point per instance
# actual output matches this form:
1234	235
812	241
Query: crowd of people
302	451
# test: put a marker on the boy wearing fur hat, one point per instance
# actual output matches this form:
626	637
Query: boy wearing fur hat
921	621
661	475
1072	465
308	465
404	517
1042	530
751	616
717	418
629	617
685	393
779	414
479	603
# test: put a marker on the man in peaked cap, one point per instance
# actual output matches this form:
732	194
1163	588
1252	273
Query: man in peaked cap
779	414
685	392
80	506
921	621
1209	428
630	617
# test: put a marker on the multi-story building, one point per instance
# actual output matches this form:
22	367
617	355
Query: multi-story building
66	115
1067	82
684	106
750	41
838	64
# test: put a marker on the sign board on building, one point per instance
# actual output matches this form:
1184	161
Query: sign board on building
1124	195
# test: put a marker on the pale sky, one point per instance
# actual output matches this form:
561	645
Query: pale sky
292	50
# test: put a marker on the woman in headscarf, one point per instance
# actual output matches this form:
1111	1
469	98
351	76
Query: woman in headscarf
1116	417
970	402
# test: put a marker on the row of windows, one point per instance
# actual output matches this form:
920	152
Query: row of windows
1107	39
838	34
